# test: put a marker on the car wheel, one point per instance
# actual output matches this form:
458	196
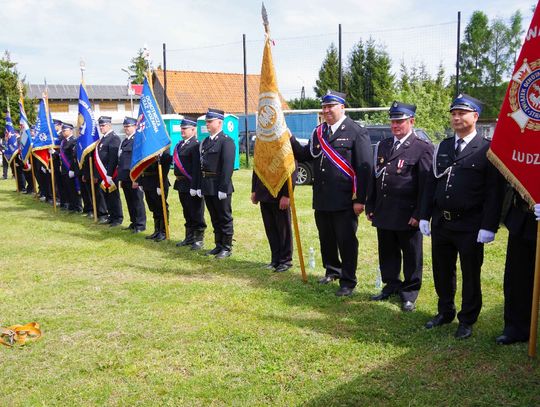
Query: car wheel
303	175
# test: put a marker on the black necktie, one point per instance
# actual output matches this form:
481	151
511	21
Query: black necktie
394	147
459	142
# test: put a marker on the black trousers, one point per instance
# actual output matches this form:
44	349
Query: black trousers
43	179
193	210
393	246
72	198
29	182
135	203
339	245
277	225
220	215
114	206
156	207
518	286
17	166
5	166
86	195
61	194
445	246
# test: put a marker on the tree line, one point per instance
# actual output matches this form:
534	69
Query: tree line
488	52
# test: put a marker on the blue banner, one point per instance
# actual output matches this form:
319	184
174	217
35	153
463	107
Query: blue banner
26	137
12	146
45	134
88	133
151	137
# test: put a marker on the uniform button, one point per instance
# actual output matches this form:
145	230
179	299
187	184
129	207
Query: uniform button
447	196
454	164
323	170
384	195
449	185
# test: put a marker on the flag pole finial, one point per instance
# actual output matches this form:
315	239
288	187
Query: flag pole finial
265	20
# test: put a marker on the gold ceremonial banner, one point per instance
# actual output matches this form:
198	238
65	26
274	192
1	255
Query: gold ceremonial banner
273	160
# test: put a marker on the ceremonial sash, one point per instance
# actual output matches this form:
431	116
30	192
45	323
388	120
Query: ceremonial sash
105	185
66	163
335	158
178	164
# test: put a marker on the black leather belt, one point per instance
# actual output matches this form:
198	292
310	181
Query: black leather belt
181	177
148	174
207	174
456	215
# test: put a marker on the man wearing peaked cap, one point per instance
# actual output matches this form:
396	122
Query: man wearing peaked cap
217	153
61	188
69	168
106	163
463	199
401	165
340	188
134	196
187	170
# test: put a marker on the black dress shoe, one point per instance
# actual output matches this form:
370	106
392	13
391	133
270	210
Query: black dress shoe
214	251
408	306
344	292
327	279
381	296
130	227
224	253
114	224
438	320
138	230
270	266
152	236
283	267
103	220
463	331
160	237
508	340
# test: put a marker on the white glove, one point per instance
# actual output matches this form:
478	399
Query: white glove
485	236
424	227
28	167
110	180
43	170
71	174
199	193
221	195
193	192
537	211
51	151
158	190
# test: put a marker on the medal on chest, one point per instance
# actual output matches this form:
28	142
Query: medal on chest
400	165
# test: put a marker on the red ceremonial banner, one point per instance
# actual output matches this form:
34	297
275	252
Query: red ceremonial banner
515	148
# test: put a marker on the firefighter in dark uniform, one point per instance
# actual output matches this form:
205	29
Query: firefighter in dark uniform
339	188
101	205
217	165
522	224
106	167
276	216
463	198
187	169
61	191
149	181
134	196
401	166
69	169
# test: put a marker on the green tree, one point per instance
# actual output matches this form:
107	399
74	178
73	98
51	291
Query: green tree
369	81
139	67
329	72
306	103
474	51
431	95
9	89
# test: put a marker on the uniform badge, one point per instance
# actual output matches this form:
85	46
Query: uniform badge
524	96
318	145
400	165
342	127
381	159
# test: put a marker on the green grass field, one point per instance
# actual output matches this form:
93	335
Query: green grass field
127	321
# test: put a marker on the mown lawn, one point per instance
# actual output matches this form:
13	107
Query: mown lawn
127	321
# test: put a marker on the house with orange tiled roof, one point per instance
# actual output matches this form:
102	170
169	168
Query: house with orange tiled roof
191	93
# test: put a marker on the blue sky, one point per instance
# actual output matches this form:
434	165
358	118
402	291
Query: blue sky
49	38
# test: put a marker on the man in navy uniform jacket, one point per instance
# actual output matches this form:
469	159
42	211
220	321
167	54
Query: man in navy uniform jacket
401	165
342	161
463	198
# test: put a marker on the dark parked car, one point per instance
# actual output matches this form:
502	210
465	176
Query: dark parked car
376	134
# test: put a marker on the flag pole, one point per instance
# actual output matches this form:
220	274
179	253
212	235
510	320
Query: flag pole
14	161
47	114
34	182
296	230
93	188
536	297
163	203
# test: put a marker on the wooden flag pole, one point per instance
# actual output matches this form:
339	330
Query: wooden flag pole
14	161
536	297
47	114
34	182
93	188
296	230
163	203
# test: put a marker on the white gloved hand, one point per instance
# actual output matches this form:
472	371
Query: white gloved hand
221	195
43	170
193	192
199	193
158	190
424	227
110	180
51	151
485	236
71	174
537	211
